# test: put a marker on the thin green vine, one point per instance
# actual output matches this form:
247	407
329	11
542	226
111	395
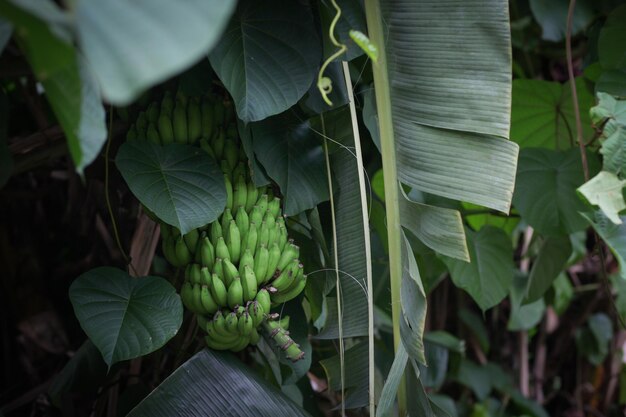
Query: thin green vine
325	84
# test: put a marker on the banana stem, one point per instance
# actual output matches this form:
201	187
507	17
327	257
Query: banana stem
281	338
388	150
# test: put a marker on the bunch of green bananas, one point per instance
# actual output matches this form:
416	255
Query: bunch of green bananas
237	267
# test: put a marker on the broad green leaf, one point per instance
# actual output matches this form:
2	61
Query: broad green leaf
614	235
68	83
181	184
125	317
476	325
488	277
619	284
611	114
545	192
84	373
414	305
553	255
433	375
593	340
474	377
563	293
356	374
605	191
133	45
543	114
390	389
612	40
450	114
419	403
478	216
446	340
216	384
370	116
552	16
291	154
523	317
267	57
612	81
259	176
440	229
336	125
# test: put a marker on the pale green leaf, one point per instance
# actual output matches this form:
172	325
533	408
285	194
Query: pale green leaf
390	389
552	16
611	114
489	275
545	192
614	235
355	377
291	153
552	257
414	305
447	110
440	229
605	191
216	384
181	184
134	45
68	83
542	113
267	57
125	317
523	317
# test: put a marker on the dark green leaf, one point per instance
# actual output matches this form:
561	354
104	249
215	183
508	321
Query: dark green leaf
291	154
488	276
68	83
181	184
612	81
552	16
614	235
612	40
6	160
356	373
134	45
542	113
475	377
593	340
125	317
85	372
390	389
6	30
523	317
370	115
268	56
414	305
545	193
553	254
477	326
216	384
352	17
433	375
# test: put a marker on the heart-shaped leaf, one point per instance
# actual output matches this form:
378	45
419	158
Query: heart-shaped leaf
181	184
125	317
268	56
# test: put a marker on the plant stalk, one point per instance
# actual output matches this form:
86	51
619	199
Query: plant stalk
390	172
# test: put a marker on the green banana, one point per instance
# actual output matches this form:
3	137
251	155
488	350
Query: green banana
227	216
252	195
292	292
240	171
218	269
216	232
269	220
249	284
208	303
166	131
284	322
246	260
194	120
241	345
221	250
202	322
218	144
231	153
231	323
283	238
182	253
243	221
205	277
230	271
261	263
196	300
256	312
219	324
281	338
179	122
229	192
251	239
207	253
245	324
132	133
152	113
290	253
240	193
193	273
262	202
169	251
219	291
264	235
273	207
191	240
254	337
152	134
235	293
256	216
273	235
206	147
167	104
166	231
234	241
141	123
286	277
264	300
218	112
272	263
186	295
208	124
